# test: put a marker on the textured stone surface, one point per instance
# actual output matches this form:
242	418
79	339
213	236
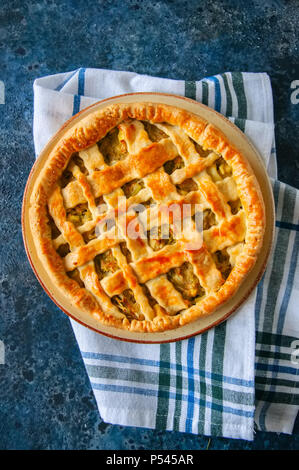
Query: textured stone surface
45	397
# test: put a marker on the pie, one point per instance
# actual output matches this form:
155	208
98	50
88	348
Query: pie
125	166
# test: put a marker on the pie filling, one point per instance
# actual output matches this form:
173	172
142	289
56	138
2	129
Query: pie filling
174	164
158	237
113	148
105	264
203	153
222	261
235	206
66	178
219	170
186	187
209	219
75	276
80	163
63	250
132	188
154	133
144	205
55	232
185	281
150	298
126	252
204	220
79	214
89	235
127	304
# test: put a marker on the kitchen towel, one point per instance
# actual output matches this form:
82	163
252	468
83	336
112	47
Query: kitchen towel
244	370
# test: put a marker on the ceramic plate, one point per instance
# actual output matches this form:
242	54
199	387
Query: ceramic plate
241	142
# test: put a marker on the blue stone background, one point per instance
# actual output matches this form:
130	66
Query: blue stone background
45	398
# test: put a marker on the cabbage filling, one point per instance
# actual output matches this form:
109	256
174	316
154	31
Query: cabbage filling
142	206
199	149
154	133
158	237
127	304
55	232
132	188
219	170
185	281
79	215
89	235
66	177
222	262
63	250
105	264
204	220
126	252
149	296
113	147
187	186
80	163
171	165
209	219
235	206
75	275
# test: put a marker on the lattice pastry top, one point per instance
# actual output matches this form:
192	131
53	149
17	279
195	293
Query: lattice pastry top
109	221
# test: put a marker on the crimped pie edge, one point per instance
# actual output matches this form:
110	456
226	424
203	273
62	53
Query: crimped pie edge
90	130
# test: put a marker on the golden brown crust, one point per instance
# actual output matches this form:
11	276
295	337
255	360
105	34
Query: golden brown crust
103	181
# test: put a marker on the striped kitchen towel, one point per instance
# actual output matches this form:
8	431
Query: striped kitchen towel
243	370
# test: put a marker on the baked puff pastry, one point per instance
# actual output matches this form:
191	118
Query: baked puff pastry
146	216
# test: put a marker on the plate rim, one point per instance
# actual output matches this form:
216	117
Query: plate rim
132	340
